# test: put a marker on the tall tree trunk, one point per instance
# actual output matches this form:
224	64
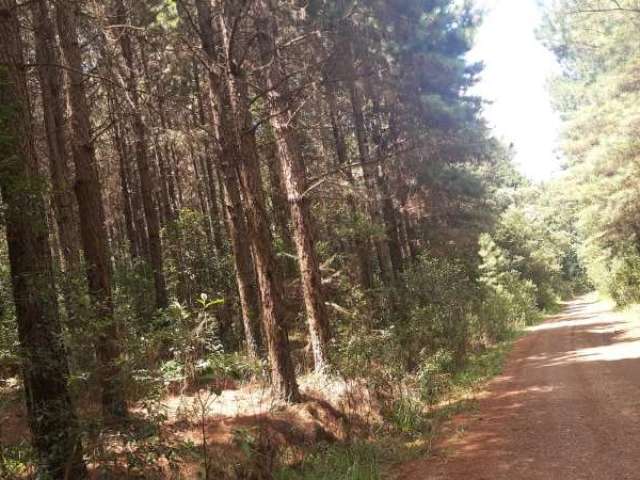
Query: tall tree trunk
279	204
167	211
232	202
369	174
168	214
92	217
178	194
360	244
201	192
408	231
45	372
135	248
293	171
389	214
269	281
252	330
144	166
52	88
235	102
390	217
137	207
208	170
214	209
411	236
245	273
221	195
283	378
171	168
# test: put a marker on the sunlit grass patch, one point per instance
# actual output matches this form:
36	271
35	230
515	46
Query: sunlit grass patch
483	366
355	461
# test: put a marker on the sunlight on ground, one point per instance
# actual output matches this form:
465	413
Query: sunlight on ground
249	400
624	350
580	314
615	335
579	321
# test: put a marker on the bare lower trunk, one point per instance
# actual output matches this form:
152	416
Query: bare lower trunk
145	171
208	170
214	209
245	274
389	214
93	229
294	175
201	192
52	88
270	284
137	204
369	174
276	336
135	248
236	222
45	373
171	179
360	244
167	209
278	196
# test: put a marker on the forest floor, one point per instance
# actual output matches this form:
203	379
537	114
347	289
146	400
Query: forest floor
567	406
237	432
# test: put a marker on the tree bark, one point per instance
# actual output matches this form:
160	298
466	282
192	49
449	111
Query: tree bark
135	249
92	217
283	379
369	174
144	167
171	167
280	207
361	246
168	214
293	172
208	170
50	412
214	209
389	213
232	202
51	85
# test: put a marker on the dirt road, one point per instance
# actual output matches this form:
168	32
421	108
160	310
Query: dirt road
567	407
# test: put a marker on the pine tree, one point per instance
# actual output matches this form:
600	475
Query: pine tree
44	361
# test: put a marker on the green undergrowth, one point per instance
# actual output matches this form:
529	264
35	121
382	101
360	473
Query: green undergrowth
483	366
356	461
414	427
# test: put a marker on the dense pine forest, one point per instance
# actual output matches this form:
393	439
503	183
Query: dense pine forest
256	239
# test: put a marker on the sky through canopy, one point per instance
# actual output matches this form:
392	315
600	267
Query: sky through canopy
517	68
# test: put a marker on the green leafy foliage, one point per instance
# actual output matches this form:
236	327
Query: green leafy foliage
598	95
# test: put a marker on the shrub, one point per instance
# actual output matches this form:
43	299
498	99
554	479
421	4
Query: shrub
356	461
434	376
407	415
509	301
624	283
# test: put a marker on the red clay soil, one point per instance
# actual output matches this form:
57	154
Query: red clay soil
567	407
